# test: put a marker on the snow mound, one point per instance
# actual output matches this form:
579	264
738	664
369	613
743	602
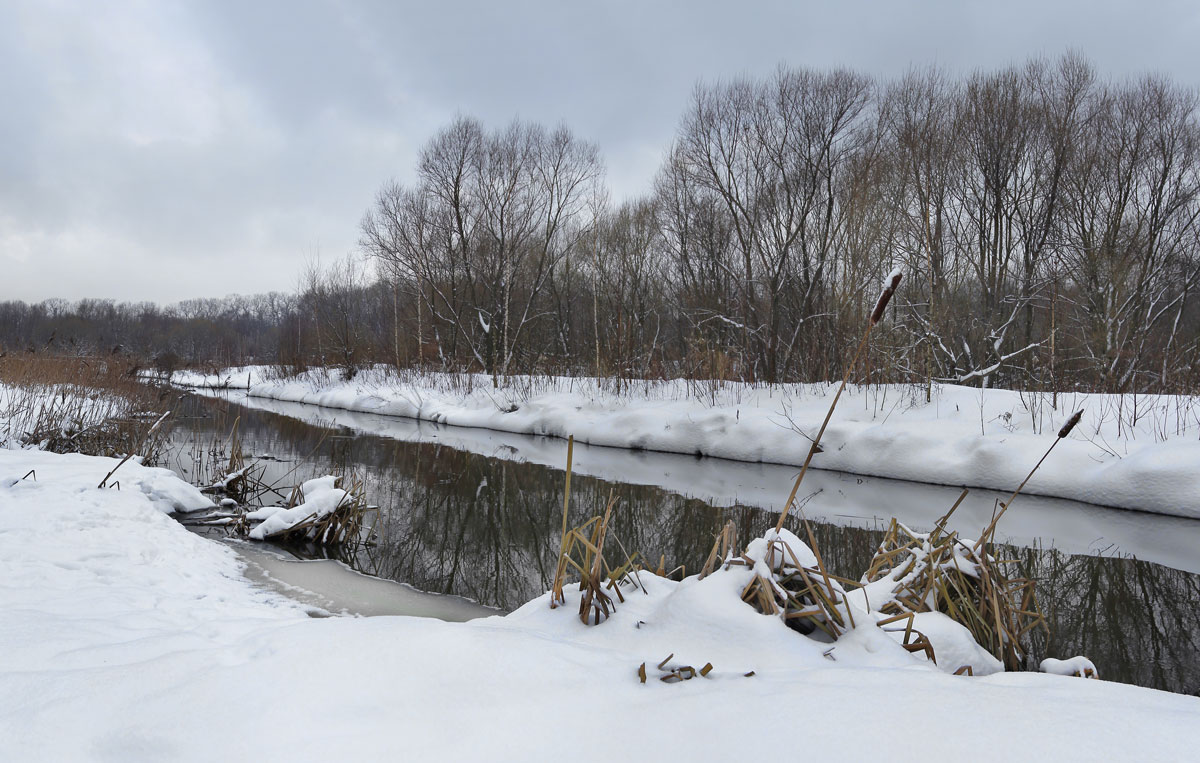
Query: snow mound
123	631
162	487
1075	666
320	497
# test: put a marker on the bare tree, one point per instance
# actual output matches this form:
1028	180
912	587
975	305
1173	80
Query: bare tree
1131	238
492	216
774	154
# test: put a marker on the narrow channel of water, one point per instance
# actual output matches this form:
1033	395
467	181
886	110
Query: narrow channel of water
477	514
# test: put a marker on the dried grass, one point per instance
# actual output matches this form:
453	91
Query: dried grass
94	406
230	475
677	673
939	572
808	598
346	524
582	550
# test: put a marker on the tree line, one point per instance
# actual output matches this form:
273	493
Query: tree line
197	332
1047	221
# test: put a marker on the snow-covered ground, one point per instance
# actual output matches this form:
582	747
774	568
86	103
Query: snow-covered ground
1130	451
125	637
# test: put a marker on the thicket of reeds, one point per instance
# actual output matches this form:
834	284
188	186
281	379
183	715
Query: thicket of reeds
239	484
582	550
230	475
68	404
807	597
940	572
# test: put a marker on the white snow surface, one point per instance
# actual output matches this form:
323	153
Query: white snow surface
1130	451
125	637
161	487
1075	666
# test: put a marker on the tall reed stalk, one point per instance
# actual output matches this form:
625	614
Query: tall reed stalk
881	304
557	596
1062	435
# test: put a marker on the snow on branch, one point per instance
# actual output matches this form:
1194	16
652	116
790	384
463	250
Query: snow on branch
995	366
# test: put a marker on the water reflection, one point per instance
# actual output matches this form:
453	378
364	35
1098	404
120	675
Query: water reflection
488	529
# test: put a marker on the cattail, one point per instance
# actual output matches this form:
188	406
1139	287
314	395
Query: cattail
1071	422
1062	434
889	288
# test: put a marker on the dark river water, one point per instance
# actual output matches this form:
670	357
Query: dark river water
478	514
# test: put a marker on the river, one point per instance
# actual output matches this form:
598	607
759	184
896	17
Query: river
476	516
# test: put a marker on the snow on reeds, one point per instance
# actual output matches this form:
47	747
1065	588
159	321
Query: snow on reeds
327	511
913	573
939	596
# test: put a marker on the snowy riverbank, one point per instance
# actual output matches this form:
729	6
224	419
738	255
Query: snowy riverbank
126	637
1134	452
830	497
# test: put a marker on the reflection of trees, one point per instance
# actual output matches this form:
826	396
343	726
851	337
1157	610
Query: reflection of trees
468	526
1138	621
488	529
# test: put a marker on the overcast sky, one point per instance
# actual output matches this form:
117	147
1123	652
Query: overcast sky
158	150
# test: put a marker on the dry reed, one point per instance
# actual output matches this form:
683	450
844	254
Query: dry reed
345	524
95	406
815	448
939	572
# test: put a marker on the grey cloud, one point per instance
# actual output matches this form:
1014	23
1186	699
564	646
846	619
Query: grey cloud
164	151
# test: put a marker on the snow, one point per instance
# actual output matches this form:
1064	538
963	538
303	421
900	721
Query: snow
320	496
1130	451
953	644
161	487
125	637
890	284
93	577
1076	666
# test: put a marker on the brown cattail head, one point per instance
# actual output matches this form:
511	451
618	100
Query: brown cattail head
889	288
1071	422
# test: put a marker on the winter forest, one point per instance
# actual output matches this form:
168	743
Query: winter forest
1047	219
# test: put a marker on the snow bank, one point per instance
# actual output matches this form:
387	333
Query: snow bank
20	408
163	489
1133	452
94	577
125	637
